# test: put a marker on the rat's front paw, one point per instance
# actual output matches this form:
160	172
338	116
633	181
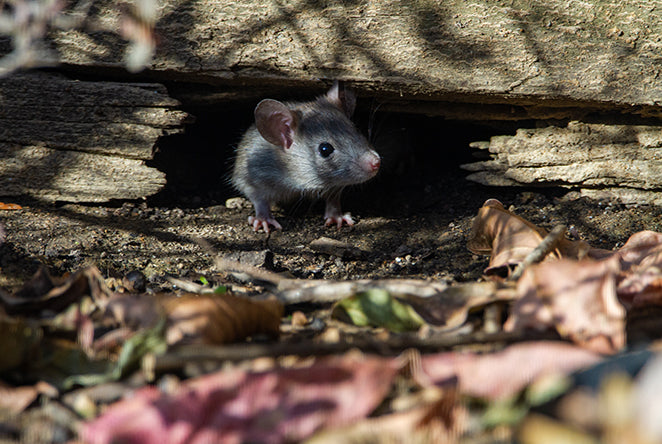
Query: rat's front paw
339	220
258	222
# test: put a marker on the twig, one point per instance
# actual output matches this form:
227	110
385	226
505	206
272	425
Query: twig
180	356
189	286
294	291
546	246
297	291
254	272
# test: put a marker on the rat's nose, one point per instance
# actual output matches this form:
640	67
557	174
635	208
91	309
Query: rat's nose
371	162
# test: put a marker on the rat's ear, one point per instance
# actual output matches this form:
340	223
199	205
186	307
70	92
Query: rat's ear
343	97
275	122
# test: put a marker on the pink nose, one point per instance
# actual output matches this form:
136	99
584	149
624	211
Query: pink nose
371	162
374	163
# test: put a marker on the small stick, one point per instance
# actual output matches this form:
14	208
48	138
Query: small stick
546	246
251	270
179	356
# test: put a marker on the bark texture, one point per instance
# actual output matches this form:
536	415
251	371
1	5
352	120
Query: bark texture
81	141
604	161
533	53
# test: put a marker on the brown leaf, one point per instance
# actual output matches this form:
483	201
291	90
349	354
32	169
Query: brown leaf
509	238
577	298
16	399
282	405
192	318
450	308
19	342
219	319
45	295
135	311
640	281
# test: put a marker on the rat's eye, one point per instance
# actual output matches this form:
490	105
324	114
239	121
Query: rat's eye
325	149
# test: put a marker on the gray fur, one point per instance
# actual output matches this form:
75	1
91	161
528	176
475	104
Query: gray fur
268	173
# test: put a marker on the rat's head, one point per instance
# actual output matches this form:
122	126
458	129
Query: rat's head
322	147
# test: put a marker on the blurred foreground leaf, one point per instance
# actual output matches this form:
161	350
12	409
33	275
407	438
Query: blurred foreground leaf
147	341
278	405
17	341
219	318
379	308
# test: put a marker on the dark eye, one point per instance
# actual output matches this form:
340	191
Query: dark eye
325	149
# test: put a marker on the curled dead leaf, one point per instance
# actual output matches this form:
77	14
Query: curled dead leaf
43	294
193	318
219	319
509	238
449	308
640	280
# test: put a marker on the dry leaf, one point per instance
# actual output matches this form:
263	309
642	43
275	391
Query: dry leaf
640	281
449	309
578	298
219	319
440	420
16	399
509	238
277	406
45	295
192	318
503	374
135	311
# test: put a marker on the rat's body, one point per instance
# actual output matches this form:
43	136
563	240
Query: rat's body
302	148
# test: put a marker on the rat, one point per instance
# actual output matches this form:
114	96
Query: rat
299	149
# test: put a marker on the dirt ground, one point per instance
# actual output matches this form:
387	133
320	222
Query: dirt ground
412	222
413	219
404	229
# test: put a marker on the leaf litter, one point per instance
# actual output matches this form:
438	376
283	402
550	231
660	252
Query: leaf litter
61	335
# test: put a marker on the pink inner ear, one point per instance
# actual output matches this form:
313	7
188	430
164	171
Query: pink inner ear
275	122
286	132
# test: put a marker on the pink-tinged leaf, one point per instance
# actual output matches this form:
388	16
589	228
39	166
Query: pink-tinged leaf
503	374
577	298
640	246
641	279
236	406
438	417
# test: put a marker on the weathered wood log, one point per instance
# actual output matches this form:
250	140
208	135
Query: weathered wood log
605	161
82	141
70	176
538	54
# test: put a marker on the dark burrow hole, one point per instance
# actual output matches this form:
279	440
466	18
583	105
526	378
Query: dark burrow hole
421	158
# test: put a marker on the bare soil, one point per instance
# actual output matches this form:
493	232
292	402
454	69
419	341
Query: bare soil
405	228
412	221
